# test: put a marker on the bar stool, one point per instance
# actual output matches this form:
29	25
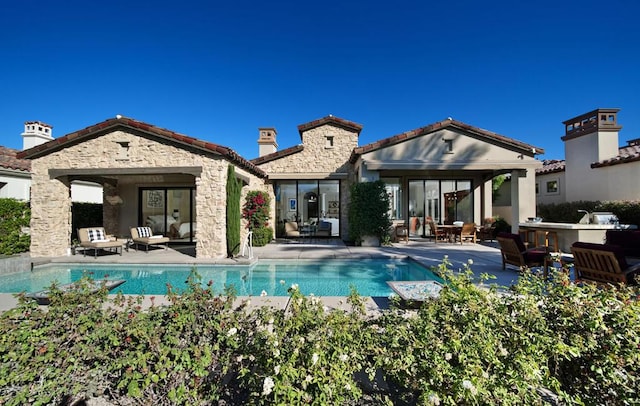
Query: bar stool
546	238
528	237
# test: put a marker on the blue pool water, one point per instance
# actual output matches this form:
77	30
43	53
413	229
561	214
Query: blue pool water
318	277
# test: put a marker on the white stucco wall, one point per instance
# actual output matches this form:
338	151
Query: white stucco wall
17	185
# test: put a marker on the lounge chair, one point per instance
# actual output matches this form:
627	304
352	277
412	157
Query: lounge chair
602	263
515	253
95	238
291	229
144	236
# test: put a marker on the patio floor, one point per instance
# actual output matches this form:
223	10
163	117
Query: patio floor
485	256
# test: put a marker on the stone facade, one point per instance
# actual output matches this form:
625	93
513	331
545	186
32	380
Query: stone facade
125	156
325	155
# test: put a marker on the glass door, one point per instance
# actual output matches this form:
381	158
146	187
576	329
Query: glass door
169	212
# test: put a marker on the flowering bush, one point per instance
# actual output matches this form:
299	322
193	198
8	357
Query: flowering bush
544	341
256	209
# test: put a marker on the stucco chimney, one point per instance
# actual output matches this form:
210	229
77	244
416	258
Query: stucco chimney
594	135
267	141
36	133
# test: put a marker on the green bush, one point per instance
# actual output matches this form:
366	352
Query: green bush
14	217
233	190
473	345
628	212
368	211
262	236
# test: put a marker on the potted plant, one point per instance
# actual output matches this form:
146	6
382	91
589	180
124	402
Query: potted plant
369	220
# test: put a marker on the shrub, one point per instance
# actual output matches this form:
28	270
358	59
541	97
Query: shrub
233	212
472	345
368	210
14	217
256	209
262	236
628	212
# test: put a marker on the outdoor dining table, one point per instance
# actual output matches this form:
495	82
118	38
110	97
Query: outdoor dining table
450	231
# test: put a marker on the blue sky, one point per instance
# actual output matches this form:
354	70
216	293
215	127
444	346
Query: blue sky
219	70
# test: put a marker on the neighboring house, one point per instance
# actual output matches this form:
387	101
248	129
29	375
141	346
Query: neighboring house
176	184
15	175
595	167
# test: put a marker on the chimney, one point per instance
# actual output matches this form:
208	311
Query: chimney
36	133
267	141
593	134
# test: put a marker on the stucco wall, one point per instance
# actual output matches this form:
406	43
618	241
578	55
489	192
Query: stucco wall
51	224
17	184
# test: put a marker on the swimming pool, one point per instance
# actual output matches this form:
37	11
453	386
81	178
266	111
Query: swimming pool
328	277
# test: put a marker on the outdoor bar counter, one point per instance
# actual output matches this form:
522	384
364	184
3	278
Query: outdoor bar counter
568	233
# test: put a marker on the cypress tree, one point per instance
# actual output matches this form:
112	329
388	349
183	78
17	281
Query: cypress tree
233	212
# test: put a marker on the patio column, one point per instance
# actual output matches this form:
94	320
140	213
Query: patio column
487	201
523	196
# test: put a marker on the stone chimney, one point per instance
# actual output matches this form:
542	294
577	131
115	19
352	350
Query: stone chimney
36	133
267	141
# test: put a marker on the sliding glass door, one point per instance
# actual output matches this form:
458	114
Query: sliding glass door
308	208
169	211
443	201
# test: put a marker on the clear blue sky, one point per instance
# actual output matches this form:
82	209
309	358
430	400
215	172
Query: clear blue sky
219	70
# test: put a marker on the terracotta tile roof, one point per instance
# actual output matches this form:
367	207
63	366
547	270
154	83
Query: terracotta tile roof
551	166
112	123
277	155
339	122
9	160
448	123
630	153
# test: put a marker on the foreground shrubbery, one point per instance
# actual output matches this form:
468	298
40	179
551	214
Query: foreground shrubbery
472	346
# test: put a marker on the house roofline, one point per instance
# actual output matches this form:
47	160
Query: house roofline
125	122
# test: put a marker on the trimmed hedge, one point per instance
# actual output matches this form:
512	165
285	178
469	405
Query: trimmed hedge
15	217
628	212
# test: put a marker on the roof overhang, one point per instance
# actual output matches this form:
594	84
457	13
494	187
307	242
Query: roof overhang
376	165
310	175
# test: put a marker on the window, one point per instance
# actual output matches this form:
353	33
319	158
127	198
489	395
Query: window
448	146
394	190
329	142
552	186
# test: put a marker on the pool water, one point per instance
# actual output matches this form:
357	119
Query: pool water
318	277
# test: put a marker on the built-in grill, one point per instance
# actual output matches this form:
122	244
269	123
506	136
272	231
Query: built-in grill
603	217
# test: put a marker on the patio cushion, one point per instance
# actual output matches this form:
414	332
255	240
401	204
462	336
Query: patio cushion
96	234
144	232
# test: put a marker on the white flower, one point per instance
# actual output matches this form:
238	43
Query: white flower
252	358
470	261
282	281
232	331
343	357
434	399
446	257
239	358
294	286
263	293
469	386
447	356
314	358
308	378
276	369
267	386
276	352
276	343
347	387
270	321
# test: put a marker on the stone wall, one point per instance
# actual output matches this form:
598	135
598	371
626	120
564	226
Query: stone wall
321	160
51	202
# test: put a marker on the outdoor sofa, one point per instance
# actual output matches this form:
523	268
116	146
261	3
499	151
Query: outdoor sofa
95	238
